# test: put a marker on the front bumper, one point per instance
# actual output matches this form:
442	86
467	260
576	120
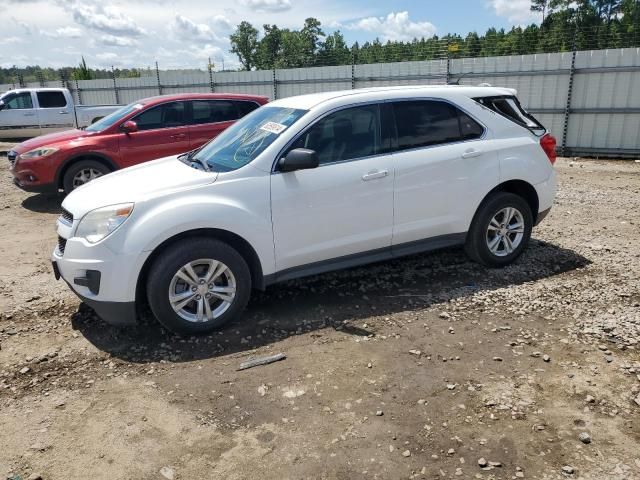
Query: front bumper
32	175
103	279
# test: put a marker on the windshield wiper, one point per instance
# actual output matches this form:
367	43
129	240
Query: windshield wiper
192	158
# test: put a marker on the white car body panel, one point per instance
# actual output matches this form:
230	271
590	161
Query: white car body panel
304	218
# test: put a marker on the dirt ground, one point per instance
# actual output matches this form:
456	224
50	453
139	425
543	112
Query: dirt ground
427	367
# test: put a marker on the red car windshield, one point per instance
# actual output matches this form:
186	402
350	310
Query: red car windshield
113	118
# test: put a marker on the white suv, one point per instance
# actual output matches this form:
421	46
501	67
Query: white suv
302	186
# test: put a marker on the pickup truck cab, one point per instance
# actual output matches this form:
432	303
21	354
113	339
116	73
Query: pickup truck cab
302	186
141	131
29	112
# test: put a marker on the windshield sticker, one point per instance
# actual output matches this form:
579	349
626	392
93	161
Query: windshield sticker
273	127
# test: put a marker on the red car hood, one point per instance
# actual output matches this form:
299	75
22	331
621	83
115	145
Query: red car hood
49	139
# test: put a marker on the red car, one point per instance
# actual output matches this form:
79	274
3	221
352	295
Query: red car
151	128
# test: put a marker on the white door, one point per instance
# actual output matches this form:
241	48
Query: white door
19	118
55	112
343	208
444	168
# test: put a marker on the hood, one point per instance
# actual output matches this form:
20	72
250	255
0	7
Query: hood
136	184
50	139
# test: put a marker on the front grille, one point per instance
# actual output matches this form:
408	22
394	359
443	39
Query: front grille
62	243
67	216
12	157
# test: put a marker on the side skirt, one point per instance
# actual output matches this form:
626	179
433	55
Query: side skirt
364	258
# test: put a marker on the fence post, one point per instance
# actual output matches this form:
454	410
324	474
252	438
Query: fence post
75	80
275	84
353	72
158	79
448	73
115	85
212	85
567	108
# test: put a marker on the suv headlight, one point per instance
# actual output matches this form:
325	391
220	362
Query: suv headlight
39	152
101	222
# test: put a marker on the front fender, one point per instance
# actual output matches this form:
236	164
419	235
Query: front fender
208	207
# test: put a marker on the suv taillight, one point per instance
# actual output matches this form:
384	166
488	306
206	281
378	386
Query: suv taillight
548	144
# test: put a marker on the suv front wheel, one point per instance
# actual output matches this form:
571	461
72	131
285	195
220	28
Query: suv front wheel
197	285
500	230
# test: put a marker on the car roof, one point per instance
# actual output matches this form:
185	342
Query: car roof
201	96
307	102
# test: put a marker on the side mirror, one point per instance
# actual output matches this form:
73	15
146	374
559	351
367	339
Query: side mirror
129	126
1	104
298	159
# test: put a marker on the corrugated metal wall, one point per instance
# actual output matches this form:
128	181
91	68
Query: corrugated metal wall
589	100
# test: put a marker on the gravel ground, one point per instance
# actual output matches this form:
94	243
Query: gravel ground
426	367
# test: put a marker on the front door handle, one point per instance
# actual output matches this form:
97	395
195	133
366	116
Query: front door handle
375	174
62	112
179	136
29	114
471	153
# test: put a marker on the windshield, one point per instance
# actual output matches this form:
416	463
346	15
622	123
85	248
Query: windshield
248	138
113	118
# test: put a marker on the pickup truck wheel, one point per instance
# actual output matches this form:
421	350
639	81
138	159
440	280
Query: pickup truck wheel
198	285
500	230
82	172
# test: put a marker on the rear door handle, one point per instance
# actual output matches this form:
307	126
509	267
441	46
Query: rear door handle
29	114
375	174
179	136
63	113
471	153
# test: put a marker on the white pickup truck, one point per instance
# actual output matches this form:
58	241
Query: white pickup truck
29	112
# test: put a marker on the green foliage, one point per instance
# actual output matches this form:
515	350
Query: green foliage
82	72
244	43
567	24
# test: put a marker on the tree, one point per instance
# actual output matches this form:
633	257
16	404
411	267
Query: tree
269	48
82	72
310	37
334	50
244	42
542	6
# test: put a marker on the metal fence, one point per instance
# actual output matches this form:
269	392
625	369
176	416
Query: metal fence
590	100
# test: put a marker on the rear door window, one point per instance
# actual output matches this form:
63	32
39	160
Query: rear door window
51	99
167	115
423	123
214	111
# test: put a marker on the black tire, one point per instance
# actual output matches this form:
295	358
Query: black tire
68	183
476	244
172	260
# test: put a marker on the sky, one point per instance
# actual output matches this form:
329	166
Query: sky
186	33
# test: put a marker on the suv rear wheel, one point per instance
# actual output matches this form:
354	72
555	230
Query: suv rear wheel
197	285
500	230
82	172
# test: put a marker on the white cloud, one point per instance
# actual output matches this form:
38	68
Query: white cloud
395	26
516	11
116	41
64	32
268	5
185	28
10	40
106	19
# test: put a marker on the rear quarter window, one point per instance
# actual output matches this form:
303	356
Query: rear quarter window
510	108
